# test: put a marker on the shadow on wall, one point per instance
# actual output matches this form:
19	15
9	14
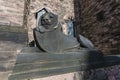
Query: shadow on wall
77	22
101	73
99	20
19	38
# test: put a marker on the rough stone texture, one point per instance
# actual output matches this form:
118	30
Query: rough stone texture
4	75
100	22
10	44
69	76
83	12
11	12
97	20
12	41
108	73
104	32
58	7
12	35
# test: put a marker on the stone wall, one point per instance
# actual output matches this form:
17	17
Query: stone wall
13	36
63	8
12	32
11	12
97	20
100	22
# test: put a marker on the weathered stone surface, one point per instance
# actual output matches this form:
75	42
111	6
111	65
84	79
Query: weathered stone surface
100	21
11	12
97	20
4	75
12	40
63	8
12	34
86	22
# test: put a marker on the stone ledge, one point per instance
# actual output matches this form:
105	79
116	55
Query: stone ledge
46	65
17	29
